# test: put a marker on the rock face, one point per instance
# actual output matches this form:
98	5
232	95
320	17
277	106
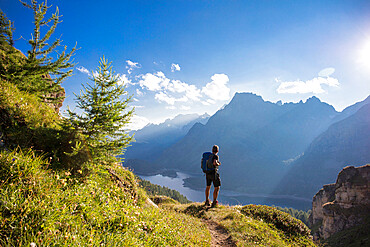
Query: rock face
342	205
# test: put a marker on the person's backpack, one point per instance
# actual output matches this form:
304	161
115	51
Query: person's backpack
206	163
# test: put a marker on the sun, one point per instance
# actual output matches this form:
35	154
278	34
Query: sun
364	55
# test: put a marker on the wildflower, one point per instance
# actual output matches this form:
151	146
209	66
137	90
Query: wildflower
13	159
79	171
33	245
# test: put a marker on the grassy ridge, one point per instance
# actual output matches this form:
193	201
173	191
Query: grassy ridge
253	225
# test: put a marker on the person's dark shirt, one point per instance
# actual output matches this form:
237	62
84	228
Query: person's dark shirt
215	157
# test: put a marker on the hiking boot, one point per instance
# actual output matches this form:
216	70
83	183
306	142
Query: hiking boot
214	204
207	204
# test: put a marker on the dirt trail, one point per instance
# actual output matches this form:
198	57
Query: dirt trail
219	236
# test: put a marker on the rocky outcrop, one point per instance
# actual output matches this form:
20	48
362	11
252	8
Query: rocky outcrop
325	195
342	205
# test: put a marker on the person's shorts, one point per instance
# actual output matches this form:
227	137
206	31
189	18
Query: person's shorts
214	178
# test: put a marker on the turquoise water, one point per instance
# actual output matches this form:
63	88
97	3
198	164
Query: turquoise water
228	197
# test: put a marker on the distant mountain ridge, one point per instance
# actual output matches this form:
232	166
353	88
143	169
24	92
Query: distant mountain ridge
255	137
344	143
262	143
154	138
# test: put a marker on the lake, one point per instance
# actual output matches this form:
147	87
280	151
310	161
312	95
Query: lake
228	197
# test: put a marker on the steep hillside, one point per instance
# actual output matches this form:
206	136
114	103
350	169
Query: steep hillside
256	139
346	142
99	205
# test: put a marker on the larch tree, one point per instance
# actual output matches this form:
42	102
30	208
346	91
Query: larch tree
105	113
6	30
45	67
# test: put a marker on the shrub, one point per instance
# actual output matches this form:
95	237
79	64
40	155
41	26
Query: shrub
281	220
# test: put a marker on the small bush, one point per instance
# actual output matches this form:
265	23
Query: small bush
281	220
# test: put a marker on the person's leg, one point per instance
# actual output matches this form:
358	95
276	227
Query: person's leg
216	184
208	189
209	180
215	193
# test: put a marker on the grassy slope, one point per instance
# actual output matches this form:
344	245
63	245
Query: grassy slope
56	208
49	207
252	225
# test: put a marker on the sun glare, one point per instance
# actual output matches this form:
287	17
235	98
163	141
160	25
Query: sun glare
364	55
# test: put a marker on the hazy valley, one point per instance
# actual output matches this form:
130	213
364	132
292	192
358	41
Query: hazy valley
265	148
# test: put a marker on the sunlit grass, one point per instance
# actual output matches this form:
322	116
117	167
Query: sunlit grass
56	208
253	225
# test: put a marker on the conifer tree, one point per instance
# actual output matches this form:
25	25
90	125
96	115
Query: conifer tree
104	105
6	30
45	67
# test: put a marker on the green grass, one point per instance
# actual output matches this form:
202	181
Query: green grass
55	208
253	225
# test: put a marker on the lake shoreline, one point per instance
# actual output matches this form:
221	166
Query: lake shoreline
227	196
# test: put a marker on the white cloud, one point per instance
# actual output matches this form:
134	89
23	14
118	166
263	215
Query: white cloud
175	67
169	90
310	86
138	106
326	72
122	79
177	86
131	66
139	93
154	82
217	89
163	97
137	122
83	70
191	91
173	91
185	108
171	107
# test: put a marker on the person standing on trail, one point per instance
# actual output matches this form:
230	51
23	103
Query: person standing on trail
213	177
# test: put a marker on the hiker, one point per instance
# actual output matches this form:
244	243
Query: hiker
213	177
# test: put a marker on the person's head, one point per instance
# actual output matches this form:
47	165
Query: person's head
215	149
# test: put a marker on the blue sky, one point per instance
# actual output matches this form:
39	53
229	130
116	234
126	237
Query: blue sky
192	56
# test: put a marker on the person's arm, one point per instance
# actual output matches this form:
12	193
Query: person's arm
216	162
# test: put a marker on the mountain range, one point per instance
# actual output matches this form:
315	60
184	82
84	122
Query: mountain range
153	139
265	147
